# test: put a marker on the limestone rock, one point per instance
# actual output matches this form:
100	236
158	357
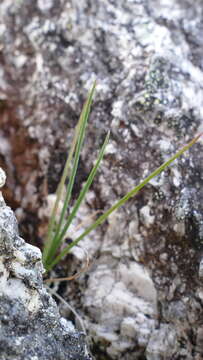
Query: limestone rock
30	325
147	58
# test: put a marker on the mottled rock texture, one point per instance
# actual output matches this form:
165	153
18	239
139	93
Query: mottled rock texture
142	297
30	325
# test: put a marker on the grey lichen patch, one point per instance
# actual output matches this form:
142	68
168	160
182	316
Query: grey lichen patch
163	95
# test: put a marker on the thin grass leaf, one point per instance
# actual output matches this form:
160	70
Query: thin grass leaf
59	191
84	189
55	242
122	201
83	192
51	224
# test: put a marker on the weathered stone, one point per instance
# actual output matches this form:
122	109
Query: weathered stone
147	58
30	325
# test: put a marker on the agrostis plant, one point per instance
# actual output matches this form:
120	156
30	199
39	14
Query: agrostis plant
57	229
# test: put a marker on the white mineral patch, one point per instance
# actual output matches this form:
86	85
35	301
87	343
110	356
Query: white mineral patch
120	302
137	327
165	145
111	148
34	302
201	269
39	63
20	61
146	217
128	327
117	109
15	289
119	347
2	177
67	325
135	130
4	274
200	294
45	5
2	29
176	176
136	278
162	344
179	228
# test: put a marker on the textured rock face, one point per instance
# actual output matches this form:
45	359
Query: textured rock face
30	325
143	295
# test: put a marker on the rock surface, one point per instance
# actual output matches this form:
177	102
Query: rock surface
142	298
30	325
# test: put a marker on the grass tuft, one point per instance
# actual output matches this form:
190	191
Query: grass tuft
57	231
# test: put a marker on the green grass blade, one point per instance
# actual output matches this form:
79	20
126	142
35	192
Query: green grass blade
85	188
119	203
81	133
49	237
82	193
59	192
